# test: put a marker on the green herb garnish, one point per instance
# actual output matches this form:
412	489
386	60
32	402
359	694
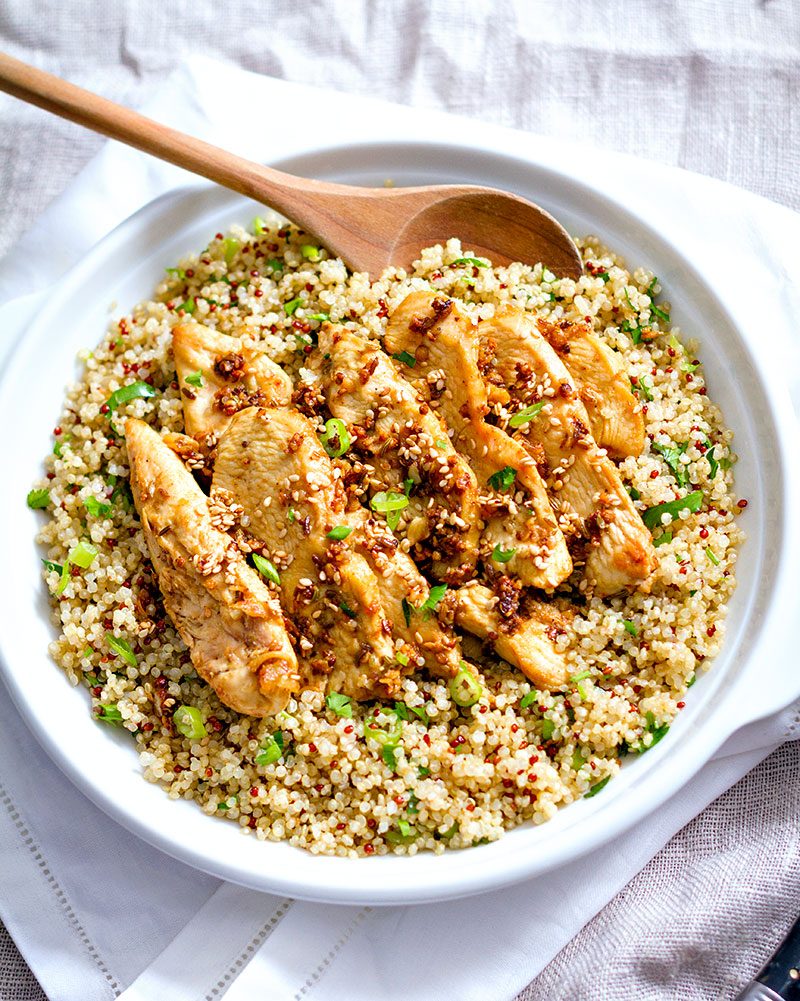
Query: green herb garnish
335	438
474	261
339	532
712	556
310	252
339	704
133	391
500	555
691	502
528	699
523	416
266	568
503	479
108	712
290	308
662	539
189	722
406	358
122	649
464	688
231	248
96	508
642	390
671	455
37	499
271	749
630	627
595	789
195	379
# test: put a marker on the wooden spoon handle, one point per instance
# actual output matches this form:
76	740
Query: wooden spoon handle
96	113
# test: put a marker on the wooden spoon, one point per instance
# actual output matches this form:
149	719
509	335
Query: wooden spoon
370	228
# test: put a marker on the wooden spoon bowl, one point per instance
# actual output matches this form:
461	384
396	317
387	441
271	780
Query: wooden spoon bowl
369	228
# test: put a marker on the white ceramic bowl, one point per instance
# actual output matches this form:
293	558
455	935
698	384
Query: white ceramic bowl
751	678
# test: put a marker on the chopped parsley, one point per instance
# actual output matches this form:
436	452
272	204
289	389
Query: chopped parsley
500	555
122	649
322	317
133	391
38	499
435	595
528	699
348	611
672	456
188	307
713	465
406	358
339	704
523	416
61	444
662	539
658	732
633	493
642	390
290	308
660	313
195	379
339	532
503	479
691	502
96	508
476	262
108	712
630	627
712	556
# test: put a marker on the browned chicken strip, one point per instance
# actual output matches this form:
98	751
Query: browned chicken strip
515	506
523	635
404	593
403	439
615	415
220	375
583	481
273	473
224	612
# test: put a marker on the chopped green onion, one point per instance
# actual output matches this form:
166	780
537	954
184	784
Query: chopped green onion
523	416
96	508
548	729
500	555
528	699
658	732
465	689
122	649
63	579
402	659
406	358
672	455
49	565
231	248
408	608
389	736
133	391
188	307
691	680
575	678
690	366
335	438
189	722
388	501
83	555
691	502
38	499
266	568
595	789
348	611
662	539
712	556
310	252
660	313
630	627
435	595
195	379
420	713
176	273
339	532
259	226
290	308
476	262
634	493
408	486
108	712
271	749
503	479
578	760
404	834
322	317
389	755
291	515
453	829
339	704
423	772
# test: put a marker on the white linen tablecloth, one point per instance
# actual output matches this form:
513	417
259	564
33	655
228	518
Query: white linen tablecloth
709	86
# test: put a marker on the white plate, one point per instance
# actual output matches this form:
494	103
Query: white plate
751	678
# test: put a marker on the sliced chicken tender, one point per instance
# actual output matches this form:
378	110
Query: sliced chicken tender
220	375
524	639
403	592
582	479
402	439
225	613
271	466
615	415
515	505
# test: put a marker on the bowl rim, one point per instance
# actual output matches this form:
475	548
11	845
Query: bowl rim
495	871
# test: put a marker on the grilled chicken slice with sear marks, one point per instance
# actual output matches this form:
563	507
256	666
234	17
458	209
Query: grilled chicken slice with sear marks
220	375
615	415
402	440
521	631
274	474
515	506
583	481
225	613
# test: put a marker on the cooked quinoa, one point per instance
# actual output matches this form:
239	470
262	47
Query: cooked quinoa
458	776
